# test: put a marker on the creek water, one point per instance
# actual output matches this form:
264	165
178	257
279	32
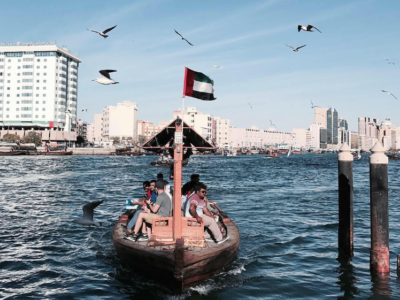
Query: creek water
286	210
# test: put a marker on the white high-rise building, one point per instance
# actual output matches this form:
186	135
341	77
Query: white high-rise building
120	121
90	133
320	116
315	130
38	86
301	137
367	132
222	132
201	122
254	137
98	128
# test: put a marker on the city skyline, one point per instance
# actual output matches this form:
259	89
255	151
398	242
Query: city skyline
276	81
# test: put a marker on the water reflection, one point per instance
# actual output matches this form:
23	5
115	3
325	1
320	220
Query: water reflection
347	279
380	286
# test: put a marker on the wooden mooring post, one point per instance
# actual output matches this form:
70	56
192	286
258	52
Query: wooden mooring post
346	225
379	206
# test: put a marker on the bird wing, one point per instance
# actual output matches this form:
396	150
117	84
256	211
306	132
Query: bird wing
299	28
311	26
88	209
386	59
178	33
109	29
106	73
250	105
393	95
300	47
289	46
384	91
188	42
94	31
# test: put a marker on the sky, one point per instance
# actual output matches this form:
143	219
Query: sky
342	67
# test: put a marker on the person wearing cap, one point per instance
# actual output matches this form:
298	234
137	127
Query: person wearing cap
160	209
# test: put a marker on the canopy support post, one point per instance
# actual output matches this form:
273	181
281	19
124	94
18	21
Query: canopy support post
178	154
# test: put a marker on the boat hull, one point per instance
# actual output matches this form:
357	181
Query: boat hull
176	269
55	153
12	153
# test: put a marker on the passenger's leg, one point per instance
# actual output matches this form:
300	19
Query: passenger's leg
139	222
132	222
213	227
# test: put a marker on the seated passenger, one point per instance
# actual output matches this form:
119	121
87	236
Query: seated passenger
132	222
160	209
153	193
189	186
198	210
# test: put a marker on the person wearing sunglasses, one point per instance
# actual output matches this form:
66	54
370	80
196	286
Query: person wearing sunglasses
197	209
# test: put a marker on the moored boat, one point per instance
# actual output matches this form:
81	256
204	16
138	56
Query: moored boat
177	253
55	152
12	153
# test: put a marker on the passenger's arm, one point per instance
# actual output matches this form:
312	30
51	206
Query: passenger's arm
154	208
207	212
193	212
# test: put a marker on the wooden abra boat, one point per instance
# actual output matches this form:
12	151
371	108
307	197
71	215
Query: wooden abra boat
12	153
176	253
177	264
167	163
55	153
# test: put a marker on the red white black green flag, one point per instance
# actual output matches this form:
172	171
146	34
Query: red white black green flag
198	85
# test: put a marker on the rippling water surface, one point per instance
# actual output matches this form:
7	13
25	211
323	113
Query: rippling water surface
286	210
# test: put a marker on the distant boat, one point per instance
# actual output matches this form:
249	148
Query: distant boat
283	148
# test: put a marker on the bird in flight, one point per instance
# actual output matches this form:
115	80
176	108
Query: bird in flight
307	28
103	33
295	49
105	77
387	92
250	105
312	104
183	38
218	67
84	109
273	125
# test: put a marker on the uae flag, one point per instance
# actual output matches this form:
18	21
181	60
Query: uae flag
198	85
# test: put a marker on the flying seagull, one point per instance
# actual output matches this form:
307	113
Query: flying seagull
273	125
103	33
218	67
87	218
250	105
307	28
295	49
183	38
312	104
387	92
84	109
105	77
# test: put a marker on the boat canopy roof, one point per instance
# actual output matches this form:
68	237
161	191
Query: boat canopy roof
191	139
